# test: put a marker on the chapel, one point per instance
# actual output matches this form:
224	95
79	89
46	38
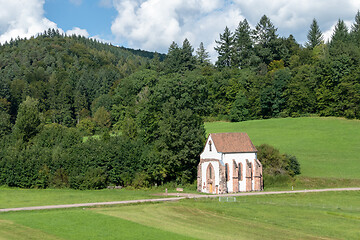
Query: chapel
229	164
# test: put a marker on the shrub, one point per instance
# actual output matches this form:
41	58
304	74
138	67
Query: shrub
95	178
141	180
60	179
42	180
274	163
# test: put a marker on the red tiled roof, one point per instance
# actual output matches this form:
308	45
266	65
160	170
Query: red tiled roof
232	142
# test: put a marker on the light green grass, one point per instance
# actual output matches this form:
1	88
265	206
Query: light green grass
325	147
81	224
15	197
12	231
327	215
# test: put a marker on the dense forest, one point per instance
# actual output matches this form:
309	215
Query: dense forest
82	114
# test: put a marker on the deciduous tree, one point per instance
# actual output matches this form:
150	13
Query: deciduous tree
28	120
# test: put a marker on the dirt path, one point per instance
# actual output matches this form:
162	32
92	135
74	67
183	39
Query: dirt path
174	197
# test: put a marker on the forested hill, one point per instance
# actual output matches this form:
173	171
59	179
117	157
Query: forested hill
54	90
65	73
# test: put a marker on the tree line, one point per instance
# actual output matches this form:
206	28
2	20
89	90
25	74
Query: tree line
146	114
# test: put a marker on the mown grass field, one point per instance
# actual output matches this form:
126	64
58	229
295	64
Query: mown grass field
15	197
325	147
328	215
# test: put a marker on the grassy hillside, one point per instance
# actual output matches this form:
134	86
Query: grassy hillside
294	216
325	147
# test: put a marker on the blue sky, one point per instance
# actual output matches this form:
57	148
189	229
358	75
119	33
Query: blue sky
153	24
90	15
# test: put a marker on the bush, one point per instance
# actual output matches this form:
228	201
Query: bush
141	180
60	179
293	166
95	178
274	163
42	180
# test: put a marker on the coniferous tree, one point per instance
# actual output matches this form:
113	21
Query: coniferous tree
265	32
341	32
155	63
355	29
315	36
172	61
187	58
224	49
202	55
180	59
265	38
243	45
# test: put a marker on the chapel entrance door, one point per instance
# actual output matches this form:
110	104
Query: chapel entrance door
210	178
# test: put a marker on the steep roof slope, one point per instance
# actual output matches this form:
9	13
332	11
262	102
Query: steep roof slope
232	142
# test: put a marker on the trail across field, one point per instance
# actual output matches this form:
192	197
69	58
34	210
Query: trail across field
174	197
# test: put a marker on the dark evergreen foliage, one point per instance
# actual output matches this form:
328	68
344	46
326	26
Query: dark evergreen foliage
202	55
243	45
224	49
315	37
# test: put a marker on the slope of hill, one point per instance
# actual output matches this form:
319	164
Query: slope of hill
325	147
66	74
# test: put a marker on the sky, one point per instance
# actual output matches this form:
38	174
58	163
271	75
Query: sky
154	24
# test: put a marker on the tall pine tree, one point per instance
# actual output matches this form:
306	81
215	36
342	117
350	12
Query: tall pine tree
202	55
243	45
172	61
224	49
187	59
341	32
355	29
315	36
265	39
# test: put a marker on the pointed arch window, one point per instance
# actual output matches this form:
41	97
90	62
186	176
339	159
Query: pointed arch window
240	172
210	144
210	173
227	173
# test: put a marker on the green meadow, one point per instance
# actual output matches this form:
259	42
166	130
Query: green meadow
325	147
327	215
16	197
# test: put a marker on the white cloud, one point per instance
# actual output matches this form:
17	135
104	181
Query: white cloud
77	31
22	18
294	16
154	24
25	18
